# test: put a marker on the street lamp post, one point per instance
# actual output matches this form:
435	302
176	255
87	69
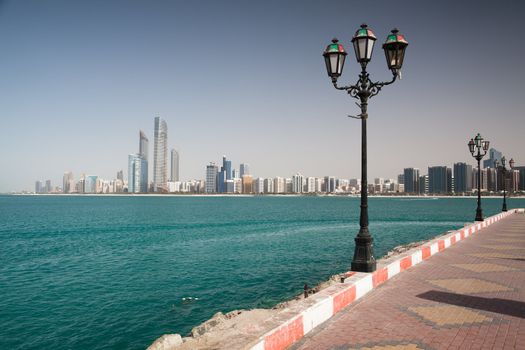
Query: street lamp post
503	168
334	55
478	148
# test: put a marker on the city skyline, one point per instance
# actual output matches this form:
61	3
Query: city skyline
77	95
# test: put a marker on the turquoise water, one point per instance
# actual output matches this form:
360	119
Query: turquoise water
109	272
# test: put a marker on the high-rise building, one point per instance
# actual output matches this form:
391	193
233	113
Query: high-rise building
279	185
521	181
143	145
493	156
244	169
310	184
137	174
39	186
120	175
68	182
211	178
438	179
411	180
462	177
297	183
268	186
423	184
90	184
227	167
48	188
174	166
484	179
329	184
258	185
247	184
160	156
492	179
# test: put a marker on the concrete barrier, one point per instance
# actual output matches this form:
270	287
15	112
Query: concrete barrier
302	318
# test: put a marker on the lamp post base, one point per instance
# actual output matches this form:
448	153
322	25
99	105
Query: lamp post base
364	260
479	214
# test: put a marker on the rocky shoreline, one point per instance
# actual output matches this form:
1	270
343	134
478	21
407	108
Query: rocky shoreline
238	328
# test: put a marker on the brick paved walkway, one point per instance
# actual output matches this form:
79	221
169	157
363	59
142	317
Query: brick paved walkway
470	296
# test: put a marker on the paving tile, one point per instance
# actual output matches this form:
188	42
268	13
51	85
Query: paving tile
469	296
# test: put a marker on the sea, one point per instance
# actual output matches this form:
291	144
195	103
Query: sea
117	272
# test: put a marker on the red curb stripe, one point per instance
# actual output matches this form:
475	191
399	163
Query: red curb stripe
441	245
452	240
379	277
405	263
462	234
344	299
425	253
285	336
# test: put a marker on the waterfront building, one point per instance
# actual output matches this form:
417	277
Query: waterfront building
268	185
237	185
90	184
39	186
484	179
411	180
143	145
493	156
258	185
401	179
174	165
310	184
514	175
120	175
492	179
235	174
462	177
227	167
438	180
423	184
288	185
401	188
297	183
160	155
279	185
230	186
211	178
137	174
247	184
521	180
318	185
68	182
244	169
221	181
450	181
329	184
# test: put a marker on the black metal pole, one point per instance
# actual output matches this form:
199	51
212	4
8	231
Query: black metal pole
364	260
479	212
504	189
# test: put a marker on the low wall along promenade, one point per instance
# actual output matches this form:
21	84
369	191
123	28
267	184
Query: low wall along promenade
282	327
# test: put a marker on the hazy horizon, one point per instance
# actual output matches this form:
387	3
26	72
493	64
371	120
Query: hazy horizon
247	80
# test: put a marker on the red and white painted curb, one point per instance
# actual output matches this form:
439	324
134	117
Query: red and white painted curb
300	319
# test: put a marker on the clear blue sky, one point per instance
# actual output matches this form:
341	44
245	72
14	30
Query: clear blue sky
79	79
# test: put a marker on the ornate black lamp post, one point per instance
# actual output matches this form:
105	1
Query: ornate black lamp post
481	146
364	89
503	168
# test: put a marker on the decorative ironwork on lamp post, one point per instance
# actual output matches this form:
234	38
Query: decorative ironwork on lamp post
478	148
334	55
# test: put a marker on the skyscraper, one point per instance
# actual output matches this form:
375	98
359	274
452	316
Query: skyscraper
174	165
143	153
68	182
244	169
211	178
160	156
137	174
462	177
411	180
143	145
438	179
493	156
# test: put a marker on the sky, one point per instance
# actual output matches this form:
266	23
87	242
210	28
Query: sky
246	79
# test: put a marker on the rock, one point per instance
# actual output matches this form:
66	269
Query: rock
166	342
201	329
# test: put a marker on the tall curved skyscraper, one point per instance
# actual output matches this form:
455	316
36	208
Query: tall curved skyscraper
160	156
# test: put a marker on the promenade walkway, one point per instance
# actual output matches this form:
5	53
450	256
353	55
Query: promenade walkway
470	296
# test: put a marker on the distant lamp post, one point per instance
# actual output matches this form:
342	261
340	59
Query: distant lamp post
503	168
334	55
478	148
